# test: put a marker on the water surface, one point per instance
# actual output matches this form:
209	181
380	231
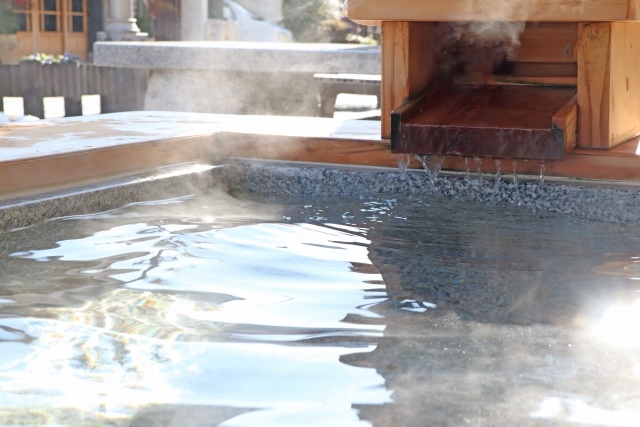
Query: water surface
371	310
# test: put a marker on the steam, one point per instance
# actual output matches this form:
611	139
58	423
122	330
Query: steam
480	47
491	32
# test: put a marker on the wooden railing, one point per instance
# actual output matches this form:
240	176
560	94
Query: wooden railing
120	89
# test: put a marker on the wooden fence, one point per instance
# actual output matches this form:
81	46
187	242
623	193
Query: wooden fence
120	89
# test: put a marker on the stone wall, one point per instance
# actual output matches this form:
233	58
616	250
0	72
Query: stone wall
237	77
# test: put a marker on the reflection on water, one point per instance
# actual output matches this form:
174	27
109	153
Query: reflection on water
251	317
271	311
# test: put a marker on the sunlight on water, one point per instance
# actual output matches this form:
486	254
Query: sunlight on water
620	326
575	410
299	271
204	317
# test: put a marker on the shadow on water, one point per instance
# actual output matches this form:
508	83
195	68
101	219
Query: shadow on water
501	265
492	318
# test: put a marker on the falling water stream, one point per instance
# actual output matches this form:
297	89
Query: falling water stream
466	167
514	165
433	170
432	166
498	181
478	161
403	162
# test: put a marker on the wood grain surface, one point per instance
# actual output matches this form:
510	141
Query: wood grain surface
492	10
486	121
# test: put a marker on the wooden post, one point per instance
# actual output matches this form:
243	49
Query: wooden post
32	88
70	81
608	83
409	64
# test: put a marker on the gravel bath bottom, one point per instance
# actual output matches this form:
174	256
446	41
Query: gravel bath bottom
262	310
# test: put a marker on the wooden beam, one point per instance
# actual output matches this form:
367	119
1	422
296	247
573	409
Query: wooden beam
32	175
492	10
508	80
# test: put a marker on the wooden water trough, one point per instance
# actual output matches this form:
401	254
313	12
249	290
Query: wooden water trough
519	79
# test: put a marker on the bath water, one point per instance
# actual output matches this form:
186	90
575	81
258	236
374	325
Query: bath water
258	310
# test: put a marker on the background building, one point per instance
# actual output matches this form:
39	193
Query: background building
57	27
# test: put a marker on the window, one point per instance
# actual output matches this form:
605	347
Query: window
50	5
50	18
76	16
23	16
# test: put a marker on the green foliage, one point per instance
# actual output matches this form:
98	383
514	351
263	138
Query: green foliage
305	18
145	23
144	18
8	19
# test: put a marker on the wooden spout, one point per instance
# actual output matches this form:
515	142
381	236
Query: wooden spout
498	121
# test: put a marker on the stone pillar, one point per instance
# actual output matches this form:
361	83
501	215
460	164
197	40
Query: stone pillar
193	19
121	25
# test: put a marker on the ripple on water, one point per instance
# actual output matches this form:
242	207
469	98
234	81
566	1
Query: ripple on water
240	318
252	316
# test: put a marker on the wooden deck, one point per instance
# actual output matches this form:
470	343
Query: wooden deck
71	152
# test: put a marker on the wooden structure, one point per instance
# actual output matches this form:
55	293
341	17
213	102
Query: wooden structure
52	27
70	152
56	27
519	79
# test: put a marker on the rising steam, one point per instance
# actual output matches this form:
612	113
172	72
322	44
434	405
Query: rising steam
490	37
479	48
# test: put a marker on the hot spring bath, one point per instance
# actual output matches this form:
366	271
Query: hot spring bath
281	308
